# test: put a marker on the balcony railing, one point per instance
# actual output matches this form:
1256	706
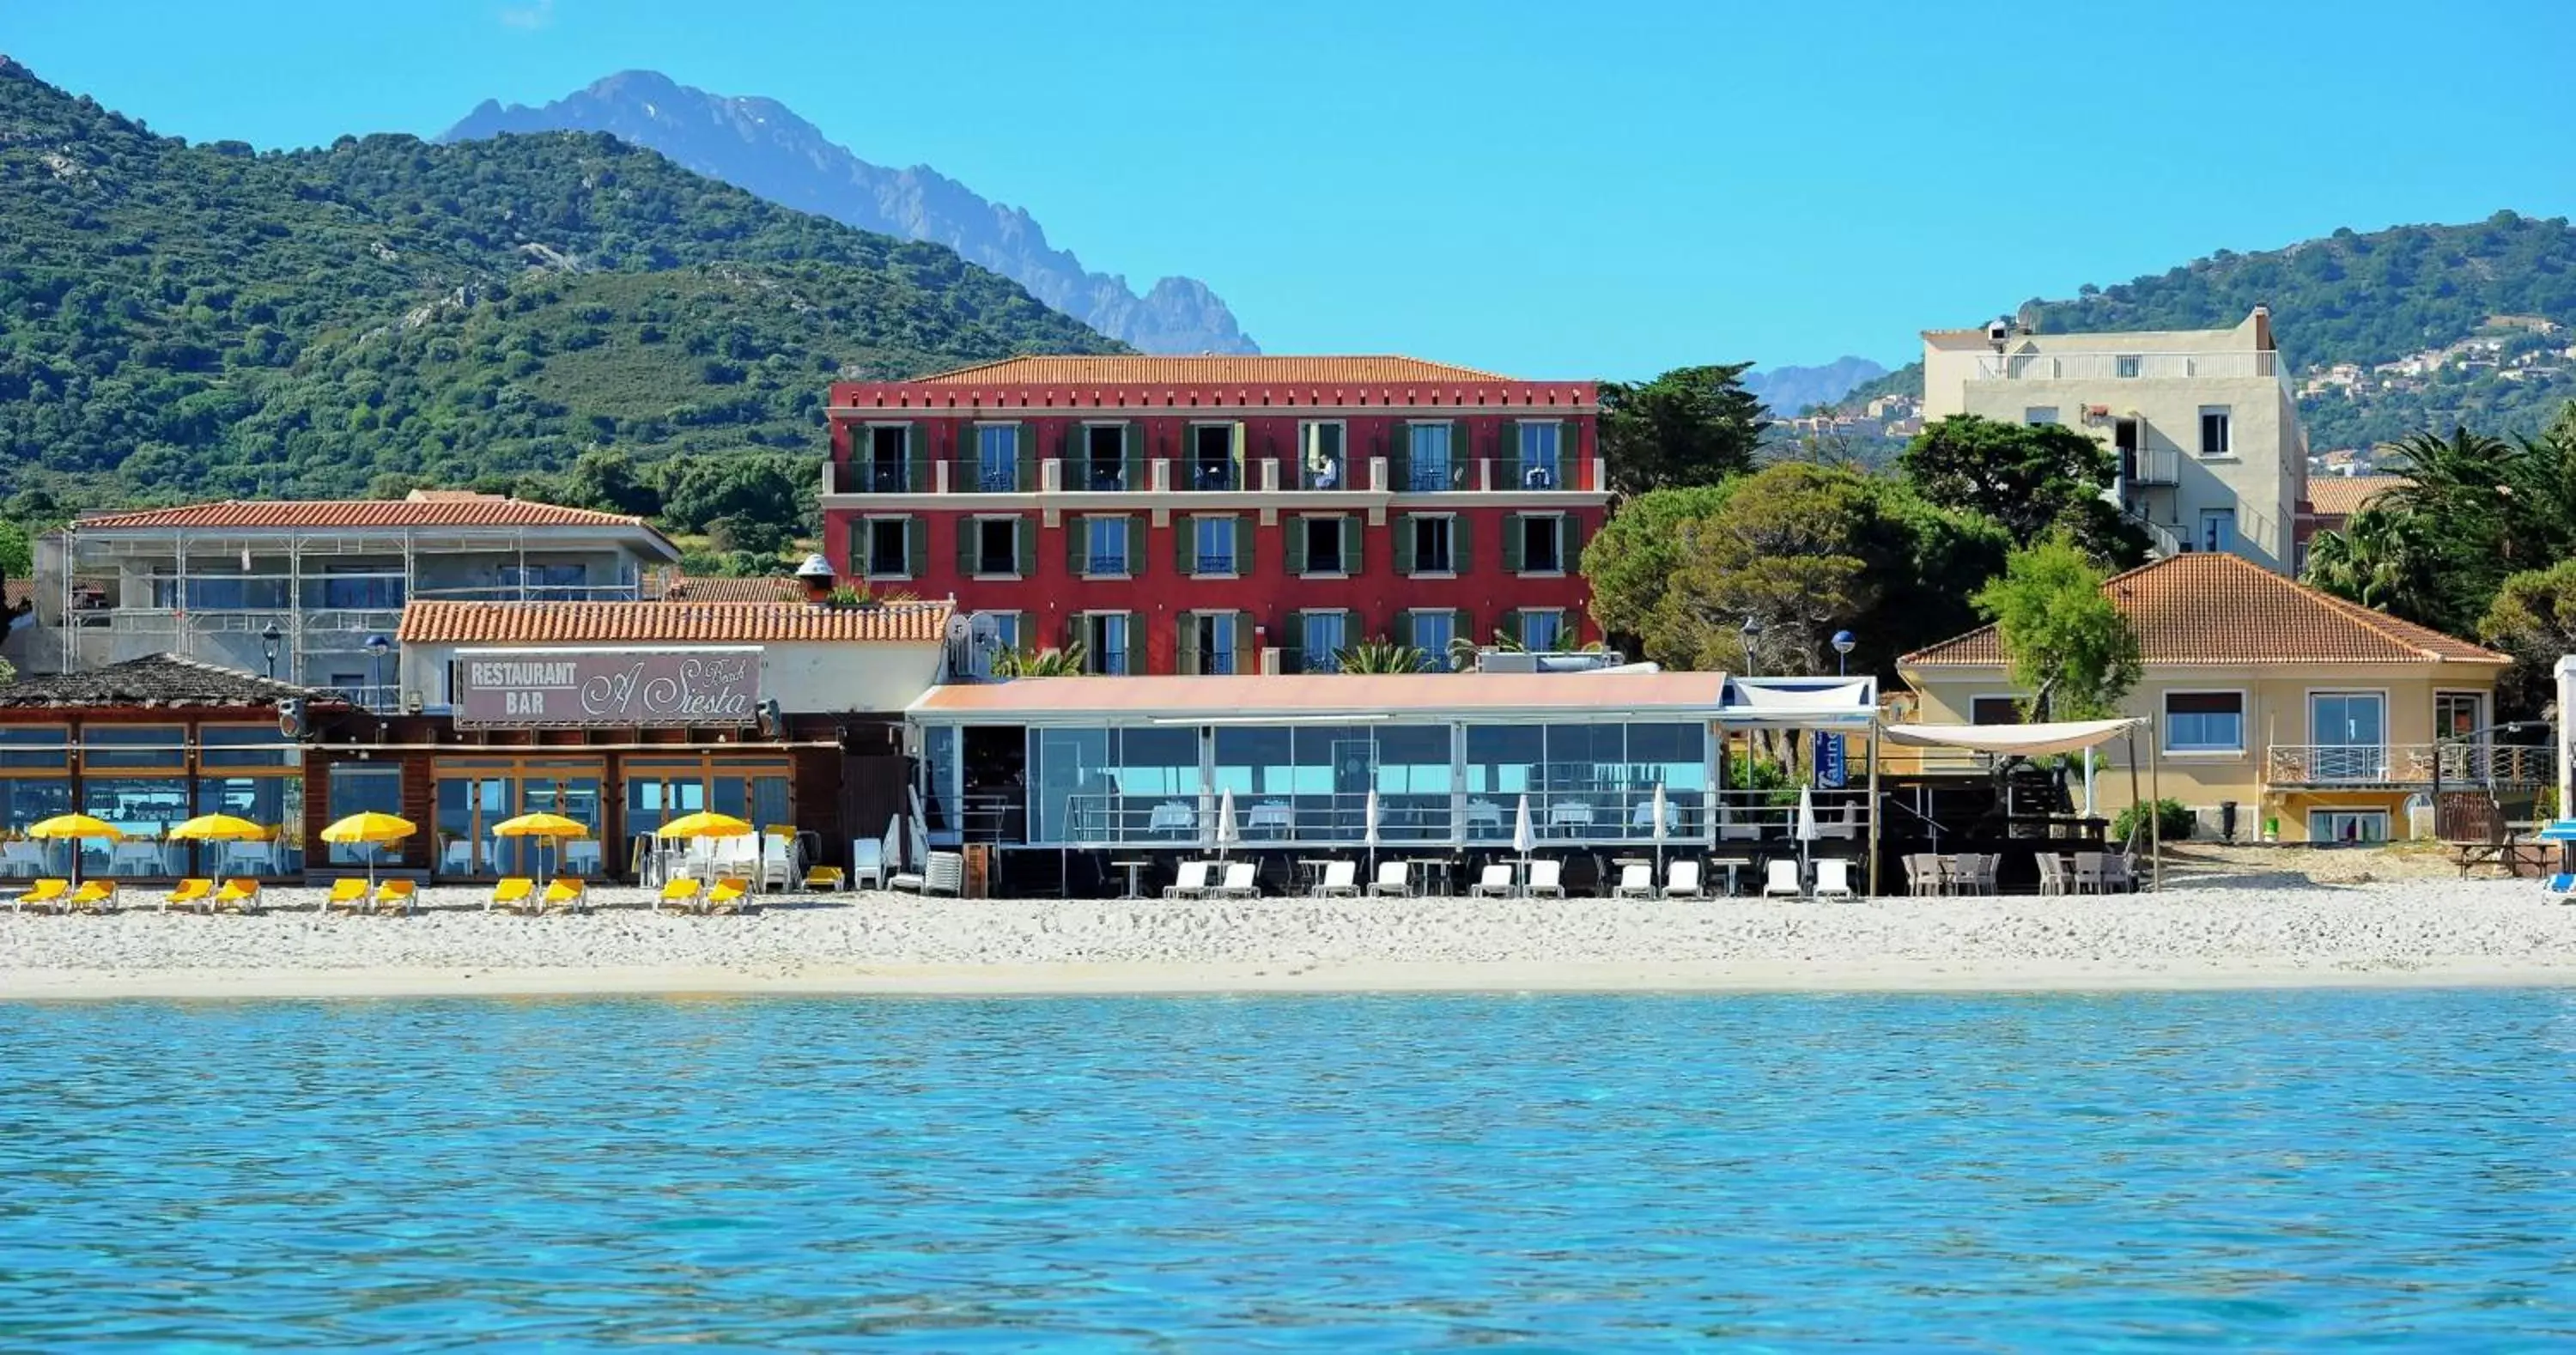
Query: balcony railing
2409	764
1106	566
1192	475
2112	365
2153	466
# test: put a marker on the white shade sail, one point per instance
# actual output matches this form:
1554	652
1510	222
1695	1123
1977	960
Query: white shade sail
2064	736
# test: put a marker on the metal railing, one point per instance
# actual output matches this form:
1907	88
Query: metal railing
2408	764
2113	365
1620	815
1189	474
2154	466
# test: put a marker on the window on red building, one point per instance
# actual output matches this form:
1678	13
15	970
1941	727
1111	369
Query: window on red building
997	546
1320	460
1434	542
1541	541
1105	457
1325	544
1212	461
889	547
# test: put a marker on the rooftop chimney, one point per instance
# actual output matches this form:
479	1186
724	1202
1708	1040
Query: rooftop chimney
816	576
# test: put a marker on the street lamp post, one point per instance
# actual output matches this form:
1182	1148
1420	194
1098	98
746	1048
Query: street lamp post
1752	627
268	638
376	647
1843	643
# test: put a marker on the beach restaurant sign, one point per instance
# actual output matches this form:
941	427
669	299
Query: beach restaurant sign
577	688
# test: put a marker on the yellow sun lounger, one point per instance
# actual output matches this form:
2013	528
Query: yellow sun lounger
92	897
238	896
397	896
727	896
513	895
566	895
681	896
826	877
45	896
191	893
347	896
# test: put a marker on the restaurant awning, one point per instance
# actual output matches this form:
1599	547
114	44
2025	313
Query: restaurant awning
2064	736
1800	703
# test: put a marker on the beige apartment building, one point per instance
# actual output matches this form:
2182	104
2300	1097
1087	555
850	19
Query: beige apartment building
2211	455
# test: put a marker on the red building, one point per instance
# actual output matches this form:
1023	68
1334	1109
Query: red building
1224	514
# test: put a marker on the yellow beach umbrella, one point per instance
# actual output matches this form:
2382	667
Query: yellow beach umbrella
704	823
370	829
545	827
216	828
76	828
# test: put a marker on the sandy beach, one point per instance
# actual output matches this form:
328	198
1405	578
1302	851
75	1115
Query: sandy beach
2262	931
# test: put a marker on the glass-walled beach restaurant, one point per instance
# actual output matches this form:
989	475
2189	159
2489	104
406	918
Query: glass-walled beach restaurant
1062	769
145	745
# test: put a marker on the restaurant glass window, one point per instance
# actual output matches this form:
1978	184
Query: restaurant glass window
1414	780
655	797
1502	765
576	797
132	746
362	789
1257	763
1330	781
1583	782
759	800
26	800
468	805
144	808
1674	756
1158	783
1073	781
275	803
35	746
244	746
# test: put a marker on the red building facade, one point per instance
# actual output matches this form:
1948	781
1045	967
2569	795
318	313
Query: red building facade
1224	514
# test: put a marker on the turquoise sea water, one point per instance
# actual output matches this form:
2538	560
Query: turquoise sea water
2272	1170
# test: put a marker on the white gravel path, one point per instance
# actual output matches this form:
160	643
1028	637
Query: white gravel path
2475	931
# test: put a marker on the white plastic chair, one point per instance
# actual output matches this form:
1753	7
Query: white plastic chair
1239	883
945	874
1341	881
1922	874
1681	881
1392	881
1635	882
1546	880
1495	883
1780	880
2088	872
1193	881
867	863
1833	879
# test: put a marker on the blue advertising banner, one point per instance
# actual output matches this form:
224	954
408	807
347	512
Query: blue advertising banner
1832	773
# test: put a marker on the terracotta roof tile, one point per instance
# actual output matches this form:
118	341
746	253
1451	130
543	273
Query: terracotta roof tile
716	588
2214	608
1224	369
2341	496
155	680
323	514
691	622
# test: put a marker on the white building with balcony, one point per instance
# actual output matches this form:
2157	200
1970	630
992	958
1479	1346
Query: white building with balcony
2205	423
312	592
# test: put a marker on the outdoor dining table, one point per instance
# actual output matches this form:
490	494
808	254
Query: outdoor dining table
1732	864
1134	866
1436	868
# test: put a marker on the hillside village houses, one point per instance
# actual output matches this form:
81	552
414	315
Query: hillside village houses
1211	533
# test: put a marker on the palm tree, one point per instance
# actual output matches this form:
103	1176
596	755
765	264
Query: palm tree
1020	663
1382	656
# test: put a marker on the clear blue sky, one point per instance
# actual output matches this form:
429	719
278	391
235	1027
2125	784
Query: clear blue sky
1545	189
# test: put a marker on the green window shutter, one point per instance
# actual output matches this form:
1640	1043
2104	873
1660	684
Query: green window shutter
1512	543
916	547
1507	627
1297	635
1135	546
1137	450
1402	630
1072	631
1399	457
1187	651
1246	658
1185	545
1076	541
1026	532
1135	643
1404	558
1462	626
1460	556
1296	529
916	457
1243	540
1507	454
1572	549
1351	544
968	530
1024	441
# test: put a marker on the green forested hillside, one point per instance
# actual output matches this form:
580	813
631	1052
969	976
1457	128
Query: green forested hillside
181	321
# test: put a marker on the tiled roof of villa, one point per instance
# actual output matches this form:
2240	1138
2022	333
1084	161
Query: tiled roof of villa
2215	608
718	588
421	510
669	622
2341	496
